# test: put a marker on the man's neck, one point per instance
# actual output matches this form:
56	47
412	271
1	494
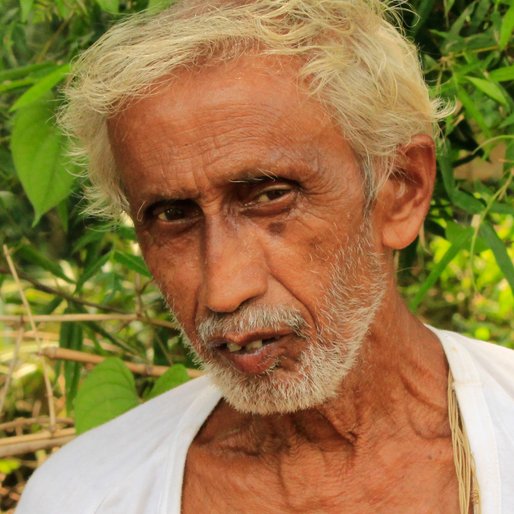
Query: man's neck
382	443
398	384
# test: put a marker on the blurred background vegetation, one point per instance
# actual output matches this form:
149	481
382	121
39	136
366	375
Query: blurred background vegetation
73	290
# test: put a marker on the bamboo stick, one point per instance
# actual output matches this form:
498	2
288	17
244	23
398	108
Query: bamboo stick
89	358
40	420
48	318
46	378
20	444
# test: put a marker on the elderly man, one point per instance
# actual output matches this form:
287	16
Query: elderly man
273	154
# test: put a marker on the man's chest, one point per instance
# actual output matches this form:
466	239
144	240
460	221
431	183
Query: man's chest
400	480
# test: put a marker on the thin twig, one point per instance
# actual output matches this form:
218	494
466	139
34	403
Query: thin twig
48	385
88	358
18	445
65	296
47	318
12	367
39	420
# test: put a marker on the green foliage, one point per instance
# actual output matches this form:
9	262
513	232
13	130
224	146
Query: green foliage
39	154
468	61
175	376
108	391
72	265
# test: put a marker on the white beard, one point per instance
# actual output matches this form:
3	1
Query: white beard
346	312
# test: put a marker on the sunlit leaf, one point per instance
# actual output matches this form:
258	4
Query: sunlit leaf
489	88
504	74
39	154
26	7
501	255
9	465
507	27
110	6
133	262
173	377
107	392
158	5
438	269
41	87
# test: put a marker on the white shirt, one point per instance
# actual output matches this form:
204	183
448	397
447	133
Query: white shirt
135	463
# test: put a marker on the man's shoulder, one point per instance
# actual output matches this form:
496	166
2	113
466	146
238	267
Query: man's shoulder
475	360
133	447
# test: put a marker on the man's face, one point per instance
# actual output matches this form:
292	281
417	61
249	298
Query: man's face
248	205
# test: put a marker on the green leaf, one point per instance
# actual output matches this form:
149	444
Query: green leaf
473	113
173	377
107	392
424	9
132	262
39	154
41	87
110	6
501	255
440	266
467	202
489	88
34	256
23	71
9	465
446	168
26	7
91	268
454	231
448	4
158	5
505	74
71	337
507	27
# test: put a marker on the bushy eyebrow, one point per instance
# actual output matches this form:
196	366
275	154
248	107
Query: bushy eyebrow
254	176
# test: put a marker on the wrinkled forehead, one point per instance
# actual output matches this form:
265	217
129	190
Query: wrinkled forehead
247	114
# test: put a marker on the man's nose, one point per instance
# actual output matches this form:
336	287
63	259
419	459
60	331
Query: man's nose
234	271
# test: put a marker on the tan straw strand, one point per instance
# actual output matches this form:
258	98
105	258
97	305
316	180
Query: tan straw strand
464	463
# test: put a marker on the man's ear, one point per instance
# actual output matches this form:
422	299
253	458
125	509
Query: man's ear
404	199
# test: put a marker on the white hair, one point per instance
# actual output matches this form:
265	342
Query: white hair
355	60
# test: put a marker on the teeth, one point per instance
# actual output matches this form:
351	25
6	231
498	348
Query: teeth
254	345
232	347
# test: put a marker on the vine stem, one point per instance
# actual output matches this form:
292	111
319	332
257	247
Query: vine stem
46	378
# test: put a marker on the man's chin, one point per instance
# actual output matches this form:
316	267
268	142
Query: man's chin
280	391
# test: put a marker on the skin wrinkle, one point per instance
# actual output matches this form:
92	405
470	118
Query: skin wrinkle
357	452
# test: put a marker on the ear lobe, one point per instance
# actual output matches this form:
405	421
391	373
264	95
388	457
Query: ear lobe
403	201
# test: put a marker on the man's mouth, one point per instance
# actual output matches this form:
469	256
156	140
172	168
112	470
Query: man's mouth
252	353
252	346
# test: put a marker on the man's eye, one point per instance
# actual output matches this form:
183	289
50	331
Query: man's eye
180	210
268	195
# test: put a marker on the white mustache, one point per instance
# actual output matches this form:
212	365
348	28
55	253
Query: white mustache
251	318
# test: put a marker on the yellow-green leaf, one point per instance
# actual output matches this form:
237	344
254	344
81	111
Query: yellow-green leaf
173	377
41	87
489	88
107	392
39	154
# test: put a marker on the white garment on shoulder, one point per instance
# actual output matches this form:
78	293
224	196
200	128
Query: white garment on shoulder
135	463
